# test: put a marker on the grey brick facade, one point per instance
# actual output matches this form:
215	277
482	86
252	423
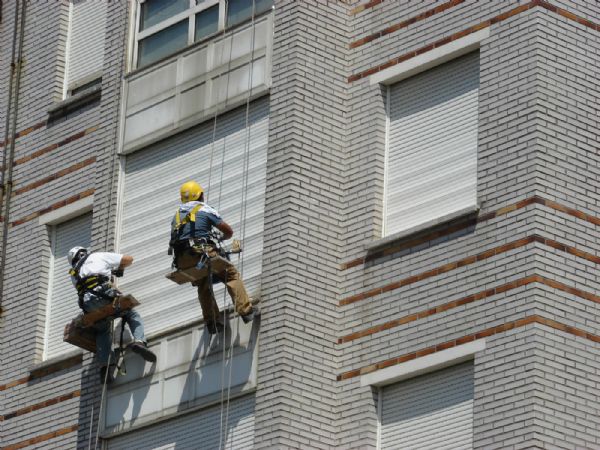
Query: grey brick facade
520	273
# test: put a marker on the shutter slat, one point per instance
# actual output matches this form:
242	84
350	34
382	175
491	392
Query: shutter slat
197	430
62	301
431	411
86	39
432	156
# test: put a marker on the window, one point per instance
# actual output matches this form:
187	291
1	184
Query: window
434	410
62	303
237	173
85	45
166	26
431	162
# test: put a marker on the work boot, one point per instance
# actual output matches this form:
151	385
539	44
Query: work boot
142	349
214	327
106	375
254	312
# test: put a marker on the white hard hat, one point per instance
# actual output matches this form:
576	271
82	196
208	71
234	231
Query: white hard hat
73	253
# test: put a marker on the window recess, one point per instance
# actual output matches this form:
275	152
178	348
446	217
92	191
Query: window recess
85	46
431	161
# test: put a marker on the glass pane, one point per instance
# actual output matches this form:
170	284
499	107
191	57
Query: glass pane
238	11
207	22
262	5
155	11
241	10
163	43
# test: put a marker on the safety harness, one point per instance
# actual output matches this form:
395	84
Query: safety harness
89	283
181	245
190	218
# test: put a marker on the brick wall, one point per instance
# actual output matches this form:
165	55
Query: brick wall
297	394
56	162
526	263
522	274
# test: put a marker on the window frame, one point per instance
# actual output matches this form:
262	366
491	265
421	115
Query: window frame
48	293
388	77
52	220
189	15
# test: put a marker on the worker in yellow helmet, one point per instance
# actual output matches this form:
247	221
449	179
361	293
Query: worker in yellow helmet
192	240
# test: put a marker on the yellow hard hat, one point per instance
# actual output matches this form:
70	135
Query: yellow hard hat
190	191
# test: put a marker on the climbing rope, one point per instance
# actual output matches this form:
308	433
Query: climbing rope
214	131
245	177
111	199
104	383
225	357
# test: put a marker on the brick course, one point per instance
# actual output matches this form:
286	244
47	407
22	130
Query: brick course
522	273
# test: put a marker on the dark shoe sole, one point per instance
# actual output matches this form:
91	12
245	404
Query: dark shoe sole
143	352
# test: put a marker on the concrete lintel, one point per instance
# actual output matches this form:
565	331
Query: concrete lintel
419	366
67	212
430	59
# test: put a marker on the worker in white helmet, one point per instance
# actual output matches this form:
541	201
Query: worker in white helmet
191	240
91	275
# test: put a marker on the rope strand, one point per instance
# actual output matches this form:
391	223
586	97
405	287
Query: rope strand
112	335
245	178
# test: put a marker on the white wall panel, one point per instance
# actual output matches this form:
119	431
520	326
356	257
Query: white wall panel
431	166
232	427
433	411
192	371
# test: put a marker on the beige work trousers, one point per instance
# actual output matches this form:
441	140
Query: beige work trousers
226	272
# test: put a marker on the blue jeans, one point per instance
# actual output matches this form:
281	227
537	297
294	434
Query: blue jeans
102	328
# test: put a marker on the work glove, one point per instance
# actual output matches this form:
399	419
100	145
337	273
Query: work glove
118	272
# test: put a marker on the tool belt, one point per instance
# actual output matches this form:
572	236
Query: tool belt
196	248
103	288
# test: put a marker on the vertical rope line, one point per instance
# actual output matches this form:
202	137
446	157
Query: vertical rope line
245	178
247	144
224	343
112	335
214	131
111	196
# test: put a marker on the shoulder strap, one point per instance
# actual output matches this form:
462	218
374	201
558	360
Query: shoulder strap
75	270
189	217
195	209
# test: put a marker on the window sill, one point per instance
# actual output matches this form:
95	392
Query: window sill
74	103
56	364
411	232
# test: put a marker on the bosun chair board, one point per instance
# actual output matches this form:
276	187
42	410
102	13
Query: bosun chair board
78	331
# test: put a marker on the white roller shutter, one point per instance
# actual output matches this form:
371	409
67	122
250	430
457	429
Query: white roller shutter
86	40
433	411
151	196
198	430
431	167
62	303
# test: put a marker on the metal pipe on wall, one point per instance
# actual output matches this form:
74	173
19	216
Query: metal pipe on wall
7	162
